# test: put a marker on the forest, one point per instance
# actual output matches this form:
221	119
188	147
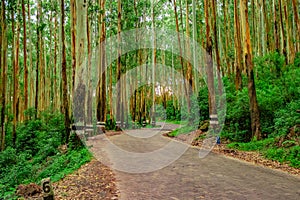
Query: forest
133	63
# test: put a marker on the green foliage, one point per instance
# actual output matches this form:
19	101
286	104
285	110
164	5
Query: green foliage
237	112
60	165
37	155
203	103
269	150
278	95
110	124
172	112
286	117
182	130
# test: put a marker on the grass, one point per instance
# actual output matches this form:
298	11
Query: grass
269	150
174	122
37	168
183	130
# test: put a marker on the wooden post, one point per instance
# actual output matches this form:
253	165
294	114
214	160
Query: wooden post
118	126
100	127
89	130
48	193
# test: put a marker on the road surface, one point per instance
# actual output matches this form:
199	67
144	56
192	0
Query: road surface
188	177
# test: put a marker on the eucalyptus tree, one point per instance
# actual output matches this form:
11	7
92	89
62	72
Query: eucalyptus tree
3	66
254	110
64	75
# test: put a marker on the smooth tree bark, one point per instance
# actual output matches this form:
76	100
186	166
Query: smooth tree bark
181	54
65	137
73	39
89	105
216	43
3	65
226	31
153	63
209	61
276	31
16	78
297	21
101	105
25	57
290	46
254	109
189	74
119	65
238	49
283	35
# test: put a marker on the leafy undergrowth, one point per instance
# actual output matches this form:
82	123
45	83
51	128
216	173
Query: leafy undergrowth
269	150
39	153
182	130
25	171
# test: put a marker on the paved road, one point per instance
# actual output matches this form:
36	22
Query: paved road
189	177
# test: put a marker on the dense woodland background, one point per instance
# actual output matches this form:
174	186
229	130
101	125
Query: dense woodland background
255	46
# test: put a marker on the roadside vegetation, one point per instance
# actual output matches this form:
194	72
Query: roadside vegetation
39	153
278	94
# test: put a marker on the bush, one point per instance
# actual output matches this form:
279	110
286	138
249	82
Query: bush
36	155
286	118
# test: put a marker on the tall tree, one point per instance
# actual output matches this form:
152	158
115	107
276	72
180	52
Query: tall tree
254	110
209	61
64	76
3	65
216	43
153	62
25	57
296	16
119	65
238	49
73	38
101	105
16	77
181	53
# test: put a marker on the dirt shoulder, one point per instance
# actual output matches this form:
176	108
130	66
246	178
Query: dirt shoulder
92	181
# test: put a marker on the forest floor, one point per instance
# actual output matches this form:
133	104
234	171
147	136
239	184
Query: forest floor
92	181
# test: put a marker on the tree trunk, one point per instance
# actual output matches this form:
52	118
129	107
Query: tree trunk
209	61
3	55
266	24
189	77
101	106
276	36
118	107
283	35
16	80
218	59
296	16
89	104
25	58
225	6
238	49
73	39
290	46
254	110
64	77
181	53
55	86
153	64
